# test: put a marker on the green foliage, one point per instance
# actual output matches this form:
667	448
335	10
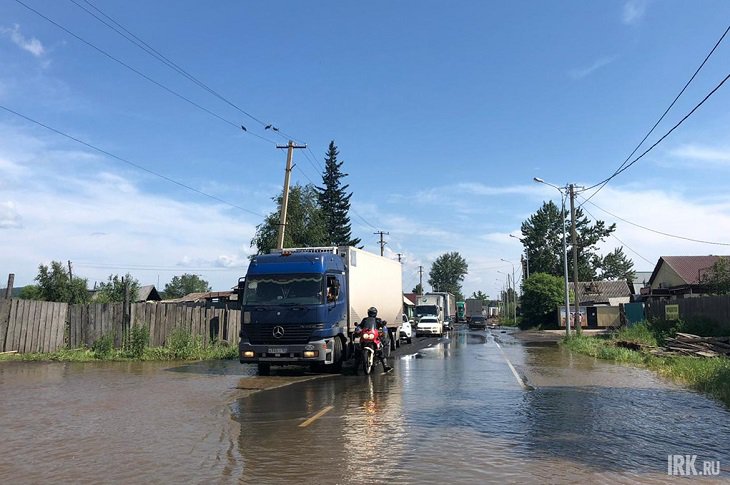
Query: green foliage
136	341
55	284
113	290
641	333
334	201
305	225
615	266
185	284
30	292
718	278
447	273
478	295
103	348
541	295
542	236
418	289
184	346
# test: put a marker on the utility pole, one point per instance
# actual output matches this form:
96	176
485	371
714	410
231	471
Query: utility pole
573	236
285	199
70	273
382	242
420	279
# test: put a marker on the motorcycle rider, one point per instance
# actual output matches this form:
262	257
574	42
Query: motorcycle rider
370	319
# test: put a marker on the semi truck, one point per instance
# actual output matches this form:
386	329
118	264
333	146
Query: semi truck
449	305
460	311
301	305
474	307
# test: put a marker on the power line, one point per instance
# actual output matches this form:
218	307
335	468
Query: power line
131	37
666	111
714	90
139	73
655	231
619	240
128	162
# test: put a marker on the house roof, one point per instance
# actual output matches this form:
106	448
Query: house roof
148	293
412	297
601	291
689	268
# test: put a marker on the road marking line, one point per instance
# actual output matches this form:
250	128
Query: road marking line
512	368
316	416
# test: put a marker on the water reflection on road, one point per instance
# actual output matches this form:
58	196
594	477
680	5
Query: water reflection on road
453	412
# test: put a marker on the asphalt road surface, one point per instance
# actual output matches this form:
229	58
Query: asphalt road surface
473	407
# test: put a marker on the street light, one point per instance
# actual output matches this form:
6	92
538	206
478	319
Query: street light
506	293
527	256
565	254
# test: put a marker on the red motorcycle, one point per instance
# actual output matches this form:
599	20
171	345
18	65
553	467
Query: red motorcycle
368	342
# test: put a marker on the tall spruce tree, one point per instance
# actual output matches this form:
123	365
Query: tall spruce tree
334	201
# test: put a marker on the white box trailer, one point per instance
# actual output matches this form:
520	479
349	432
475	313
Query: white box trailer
373	281
449	305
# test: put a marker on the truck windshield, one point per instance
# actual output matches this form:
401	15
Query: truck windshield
426	310
283	290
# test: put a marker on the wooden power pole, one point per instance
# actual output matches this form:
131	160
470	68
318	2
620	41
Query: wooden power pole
575	262
285	198
382	242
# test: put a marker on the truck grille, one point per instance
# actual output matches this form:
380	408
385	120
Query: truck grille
264	334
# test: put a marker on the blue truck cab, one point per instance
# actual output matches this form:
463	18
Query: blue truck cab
294	310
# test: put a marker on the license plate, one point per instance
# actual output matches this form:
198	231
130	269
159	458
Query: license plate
278	350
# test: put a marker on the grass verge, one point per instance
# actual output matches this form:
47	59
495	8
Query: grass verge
181	345
708	375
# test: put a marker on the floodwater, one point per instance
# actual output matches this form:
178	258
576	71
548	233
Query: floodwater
454	412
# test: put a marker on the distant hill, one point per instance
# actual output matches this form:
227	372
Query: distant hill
16	292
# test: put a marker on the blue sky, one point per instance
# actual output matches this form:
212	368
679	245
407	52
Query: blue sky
443	113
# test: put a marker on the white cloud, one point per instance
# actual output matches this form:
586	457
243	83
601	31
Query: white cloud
9	216
633	11
713	156
78	208
581	72
32	45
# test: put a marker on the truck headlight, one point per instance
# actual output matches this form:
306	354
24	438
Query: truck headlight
308	354
249	354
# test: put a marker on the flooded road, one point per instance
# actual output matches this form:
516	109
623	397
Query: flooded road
476	407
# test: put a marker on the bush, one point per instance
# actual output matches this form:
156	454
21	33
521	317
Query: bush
103	347
541	295
136	341
184	346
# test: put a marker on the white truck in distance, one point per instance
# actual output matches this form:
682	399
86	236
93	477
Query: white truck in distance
431	306
449	305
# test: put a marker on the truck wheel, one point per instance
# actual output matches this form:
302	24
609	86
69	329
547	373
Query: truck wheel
336	365
393	341
264	368
409	340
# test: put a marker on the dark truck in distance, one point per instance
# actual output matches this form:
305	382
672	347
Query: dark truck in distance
300	306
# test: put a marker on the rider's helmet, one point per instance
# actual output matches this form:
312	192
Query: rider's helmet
372	312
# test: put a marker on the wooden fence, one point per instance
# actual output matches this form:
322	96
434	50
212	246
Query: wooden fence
713	308
32	326
38	326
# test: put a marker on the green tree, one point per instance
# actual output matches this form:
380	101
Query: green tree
478	295
30	292
305	226
56	284
718	278
615	266
418	289
113	290
542	237
185	284
334	201
541	295
447	273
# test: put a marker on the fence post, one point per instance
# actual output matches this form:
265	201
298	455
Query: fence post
9	289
